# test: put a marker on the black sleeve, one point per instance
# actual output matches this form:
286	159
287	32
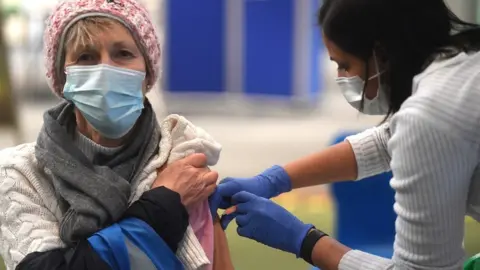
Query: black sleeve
163	210
81	257
160	208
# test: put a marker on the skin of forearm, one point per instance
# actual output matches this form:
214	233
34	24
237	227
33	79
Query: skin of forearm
333	164
327	253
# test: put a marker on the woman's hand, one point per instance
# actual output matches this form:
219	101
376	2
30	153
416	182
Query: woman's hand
190	178
270	183
268	223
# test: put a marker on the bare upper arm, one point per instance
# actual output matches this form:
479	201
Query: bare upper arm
221	258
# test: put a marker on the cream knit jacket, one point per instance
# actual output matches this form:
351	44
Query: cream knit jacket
29	211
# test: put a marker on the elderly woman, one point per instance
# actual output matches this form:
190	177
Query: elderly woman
105	186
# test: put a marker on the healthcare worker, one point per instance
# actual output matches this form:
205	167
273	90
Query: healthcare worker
418	64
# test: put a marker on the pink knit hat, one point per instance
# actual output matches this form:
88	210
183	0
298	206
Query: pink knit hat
128	12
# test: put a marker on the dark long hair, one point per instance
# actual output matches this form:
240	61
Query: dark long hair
408	35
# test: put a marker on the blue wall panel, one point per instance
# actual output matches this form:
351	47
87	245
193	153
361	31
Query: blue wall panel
317	49
195	42
268	47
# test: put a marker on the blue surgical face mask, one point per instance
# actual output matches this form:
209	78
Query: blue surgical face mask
110	98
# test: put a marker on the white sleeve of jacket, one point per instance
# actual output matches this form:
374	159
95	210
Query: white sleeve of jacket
26	224
181	138
370	149
188	139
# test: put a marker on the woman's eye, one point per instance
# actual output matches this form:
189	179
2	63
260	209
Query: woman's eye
85	57
341	68
125	54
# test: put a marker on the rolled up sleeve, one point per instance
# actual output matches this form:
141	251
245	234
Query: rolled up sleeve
370	149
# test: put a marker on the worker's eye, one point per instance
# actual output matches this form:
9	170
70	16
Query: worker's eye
342	67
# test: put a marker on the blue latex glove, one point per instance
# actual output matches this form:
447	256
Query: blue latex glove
270	183
268	223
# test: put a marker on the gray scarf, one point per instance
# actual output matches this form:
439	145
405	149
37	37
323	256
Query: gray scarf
96	191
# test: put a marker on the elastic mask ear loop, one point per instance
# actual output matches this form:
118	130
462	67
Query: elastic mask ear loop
378	75
377	68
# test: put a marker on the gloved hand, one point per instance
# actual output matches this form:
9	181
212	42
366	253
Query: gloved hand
268	223
270	183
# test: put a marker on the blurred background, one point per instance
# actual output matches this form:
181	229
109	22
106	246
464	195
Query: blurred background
253	73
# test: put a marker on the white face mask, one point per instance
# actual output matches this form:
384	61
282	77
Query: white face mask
352	90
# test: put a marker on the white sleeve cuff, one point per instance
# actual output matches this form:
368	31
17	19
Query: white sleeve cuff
359	260
191	253
370	149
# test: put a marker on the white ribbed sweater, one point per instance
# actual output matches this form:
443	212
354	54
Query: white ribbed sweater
29	210
432	146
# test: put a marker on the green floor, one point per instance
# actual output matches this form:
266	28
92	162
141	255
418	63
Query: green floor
248	255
